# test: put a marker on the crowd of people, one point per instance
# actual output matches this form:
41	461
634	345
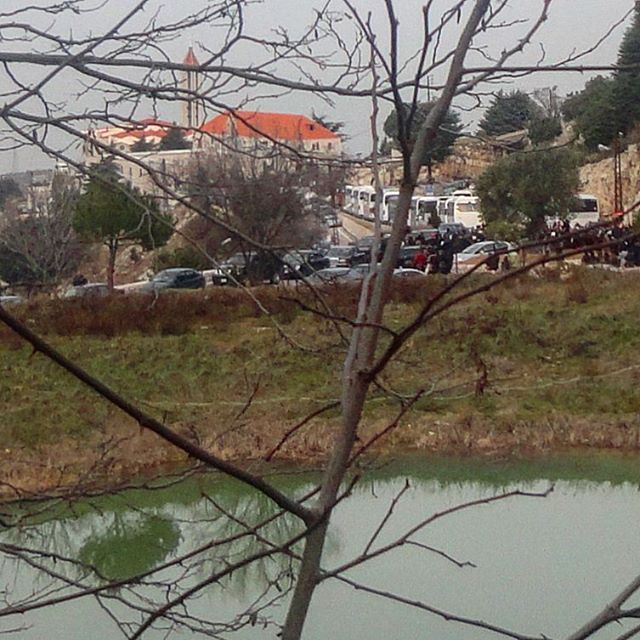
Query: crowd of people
438	248
613	245
616	246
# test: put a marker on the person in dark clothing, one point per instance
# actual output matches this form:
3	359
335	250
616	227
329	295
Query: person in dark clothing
493	262
445	262
433	261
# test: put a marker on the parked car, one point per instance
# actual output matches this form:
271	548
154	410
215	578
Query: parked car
302	263
249	268
408	274
362	252
340	255
87	290
332	220
178	278
264	267
358	271
453	228
232	271
426	237
483	249
477	252
459	234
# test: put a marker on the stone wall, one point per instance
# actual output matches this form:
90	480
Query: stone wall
597	179
469	159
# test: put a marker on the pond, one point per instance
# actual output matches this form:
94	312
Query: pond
530	564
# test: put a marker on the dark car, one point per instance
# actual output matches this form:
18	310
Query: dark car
362	252
249	268
340	255
453	229
178	279
265	266
426	237
232	271
303	263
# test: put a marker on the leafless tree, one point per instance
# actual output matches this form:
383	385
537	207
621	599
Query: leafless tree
40	247
264	200
338	54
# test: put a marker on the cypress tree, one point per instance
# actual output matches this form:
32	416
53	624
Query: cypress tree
626	94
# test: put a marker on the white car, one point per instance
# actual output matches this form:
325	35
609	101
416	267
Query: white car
87	290
480	250
409	273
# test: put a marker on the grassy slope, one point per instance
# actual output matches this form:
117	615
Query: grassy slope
561	359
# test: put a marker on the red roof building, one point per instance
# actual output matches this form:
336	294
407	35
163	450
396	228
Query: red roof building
241	129
292	129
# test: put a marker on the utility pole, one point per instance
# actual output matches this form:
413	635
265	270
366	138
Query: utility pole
618	205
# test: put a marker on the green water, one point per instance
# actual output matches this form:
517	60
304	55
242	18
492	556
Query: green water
542	565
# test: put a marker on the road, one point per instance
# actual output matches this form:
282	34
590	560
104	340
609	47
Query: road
353	229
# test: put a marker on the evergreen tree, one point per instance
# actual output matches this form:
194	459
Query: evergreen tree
544	129
610	105
597	120
626	92
522	190
174	139
112	212
142	145
441	146
509	112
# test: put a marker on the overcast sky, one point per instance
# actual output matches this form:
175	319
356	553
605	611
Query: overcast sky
574	25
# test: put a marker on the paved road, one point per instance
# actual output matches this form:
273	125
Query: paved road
353	228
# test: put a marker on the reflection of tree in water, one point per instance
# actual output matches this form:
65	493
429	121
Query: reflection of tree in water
251	524
100	541
132	546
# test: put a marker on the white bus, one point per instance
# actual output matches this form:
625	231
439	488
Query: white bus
348	197
422	208
366	202
586	211
389	206
464	209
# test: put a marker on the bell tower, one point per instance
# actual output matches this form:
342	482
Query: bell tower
191	84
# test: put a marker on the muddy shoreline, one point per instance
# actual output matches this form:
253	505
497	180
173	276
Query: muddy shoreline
116	458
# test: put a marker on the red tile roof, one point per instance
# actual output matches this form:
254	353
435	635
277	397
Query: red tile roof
147	128
279	126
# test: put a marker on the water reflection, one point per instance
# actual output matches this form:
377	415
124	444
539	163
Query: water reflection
131	544
209	525
120	538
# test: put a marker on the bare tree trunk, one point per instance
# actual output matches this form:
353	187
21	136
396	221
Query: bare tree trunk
362	347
